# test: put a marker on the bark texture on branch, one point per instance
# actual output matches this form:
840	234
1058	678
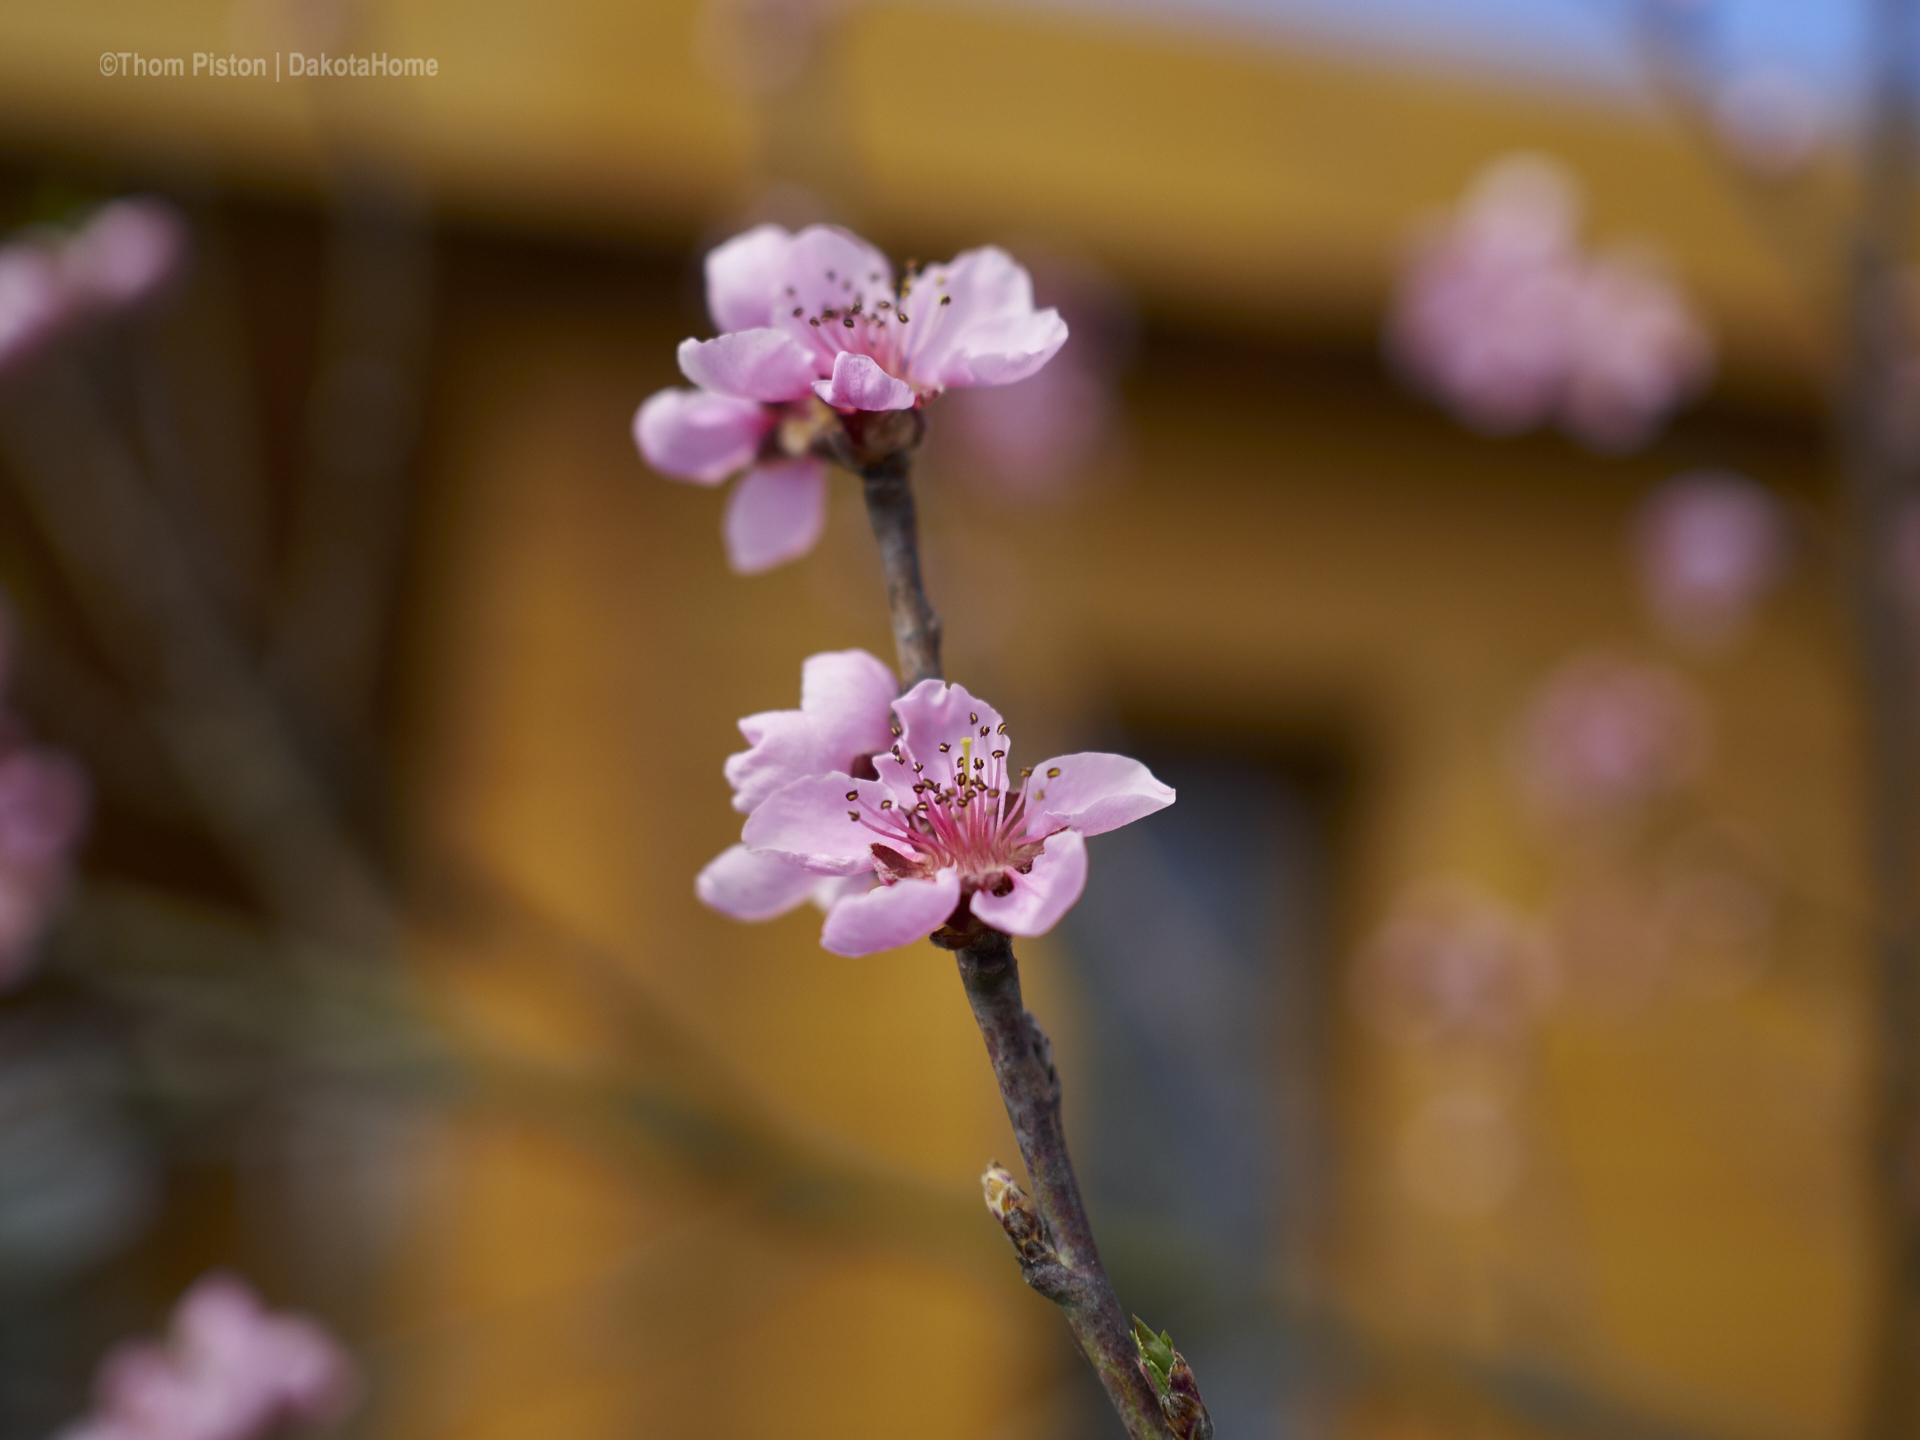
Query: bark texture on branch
916	628
1063	1265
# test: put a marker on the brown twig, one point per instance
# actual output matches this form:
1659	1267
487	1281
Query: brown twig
879	449
223	733
1061	1263
1066	1266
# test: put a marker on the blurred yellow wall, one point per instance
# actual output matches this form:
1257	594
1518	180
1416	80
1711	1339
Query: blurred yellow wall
1287	546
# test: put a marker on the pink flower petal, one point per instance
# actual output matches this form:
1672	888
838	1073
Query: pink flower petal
859	383
753	884
812	820
44	802
230	1370
743	277
846	697
933	714
1008	351
890	916
830	268
1040	897
698	436
762	365
33	303
128	252
1093	792
776	514
978	325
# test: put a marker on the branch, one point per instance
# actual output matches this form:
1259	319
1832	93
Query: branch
1057	1253
223	733
879	449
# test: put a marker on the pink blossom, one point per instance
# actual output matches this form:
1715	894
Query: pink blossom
32	303
1710	545
1603	735
1480	317
1033	440
845	719
1771	119
813	328
44	800
229	1369
942	828
1453	962
1638	351
127	253
1505	319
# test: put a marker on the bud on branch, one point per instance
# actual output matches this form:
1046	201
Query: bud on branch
1173	1383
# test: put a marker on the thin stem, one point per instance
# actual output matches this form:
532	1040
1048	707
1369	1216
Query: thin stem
223	733
1066	1270
916	628
1071	1275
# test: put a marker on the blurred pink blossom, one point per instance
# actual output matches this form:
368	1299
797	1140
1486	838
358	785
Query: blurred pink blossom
1453	962
1638	352
1710	545
44	805
126	254
44	800
228	1369
946	828
1603	735
1771	119
32	303
814	327
1503	317
1035	439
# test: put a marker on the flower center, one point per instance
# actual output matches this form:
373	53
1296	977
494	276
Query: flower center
868	319
967	814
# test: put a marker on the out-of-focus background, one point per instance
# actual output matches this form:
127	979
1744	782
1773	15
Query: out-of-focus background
1483	1046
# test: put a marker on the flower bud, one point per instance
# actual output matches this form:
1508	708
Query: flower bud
1011	1207
1173	1384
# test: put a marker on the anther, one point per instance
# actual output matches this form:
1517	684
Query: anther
1003	727
1026	772
853	794
798	311
903	317
946	299
896	731
972	718
979	764
999	754
853	814
1053	772
848	322
985	731
815	322
944	747
886	804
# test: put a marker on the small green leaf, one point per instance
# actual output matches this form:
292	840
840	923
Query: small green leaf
1156	1350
